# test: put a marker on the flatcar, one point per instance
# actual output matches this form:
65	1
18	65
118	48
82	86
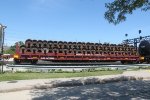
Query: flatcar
62	51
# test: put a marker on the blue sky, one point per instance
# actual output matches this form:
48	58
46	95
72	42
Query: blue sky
67	20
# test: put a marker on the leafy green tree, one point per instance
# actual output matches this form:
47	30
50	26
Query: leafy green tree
118	9
9	51
12	48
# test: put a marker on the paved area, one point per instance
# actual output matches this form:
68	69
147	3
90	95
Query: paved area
126	90
54	89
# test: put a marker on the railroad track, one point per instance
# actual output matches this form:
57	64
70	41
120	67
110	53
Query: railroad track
45	66
66	64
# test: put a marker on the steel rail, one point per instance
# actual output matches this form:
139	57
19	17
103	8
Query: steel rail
94	66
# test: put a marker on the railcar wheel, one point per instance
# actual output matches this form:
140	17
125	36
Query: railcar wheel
147	60
34	61
123	62
127	62
16	61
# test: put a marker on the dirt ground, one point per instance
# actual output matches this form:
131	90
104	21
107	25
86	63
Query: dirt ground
126	90
112	90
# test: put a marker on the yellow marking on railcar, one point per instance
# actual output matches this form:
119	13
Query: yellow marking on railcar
141	58
16	56
34	57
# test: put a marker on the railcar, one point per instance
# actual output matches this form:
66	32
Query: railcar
62	51
144	50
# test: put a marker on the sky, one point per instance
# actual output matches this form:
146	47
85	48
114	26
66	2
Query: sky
67	20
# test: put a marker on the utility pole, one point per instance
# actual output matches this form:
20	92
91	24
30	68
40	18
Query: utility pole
2	36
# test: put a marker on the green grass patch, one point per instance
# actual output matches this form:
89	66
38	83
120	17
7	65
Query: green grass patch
31	75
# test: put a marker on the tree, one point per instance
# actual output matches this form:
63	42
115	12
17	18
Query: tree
12	48
118	9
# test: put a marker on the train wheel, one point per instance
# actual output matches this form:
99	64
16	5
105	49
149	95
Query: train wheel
123	62
138	62
148	60
17	61
34	61
127	62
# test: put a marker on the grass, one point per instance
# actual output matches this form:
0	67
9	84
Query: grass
31	75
